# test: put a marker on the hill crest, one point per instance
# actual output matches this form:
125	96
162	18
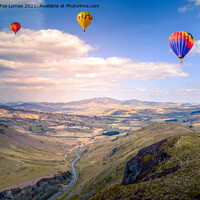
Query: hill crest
99	104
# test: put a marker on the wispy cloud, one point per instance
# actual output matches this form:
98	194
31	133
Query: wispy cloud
196	2
196	48
187	7
53	62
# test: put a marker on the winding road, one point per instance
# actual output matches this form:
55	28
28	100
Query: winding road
74	175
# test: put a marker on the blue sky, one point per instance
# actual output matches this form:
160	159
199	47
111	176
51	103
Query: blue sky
123	54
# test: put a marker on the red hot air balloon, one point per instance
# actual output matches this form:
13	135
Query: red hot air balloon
15	26
181	43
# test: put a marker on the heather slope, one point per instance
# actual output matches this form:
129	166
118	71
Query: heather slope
176	177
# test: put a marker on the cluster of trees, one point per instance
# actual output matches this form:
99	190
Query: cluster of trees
39	192
42	190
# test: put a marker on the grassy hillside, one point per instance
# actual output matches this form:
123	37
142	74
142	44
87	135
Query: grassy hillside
104	163
24	158
182	184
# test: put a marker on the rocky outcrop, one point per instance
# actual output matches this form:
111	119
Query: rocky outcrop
142	166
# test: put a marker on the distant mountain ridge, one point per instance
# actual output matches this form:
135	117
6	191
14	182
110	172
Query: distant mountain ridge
85	104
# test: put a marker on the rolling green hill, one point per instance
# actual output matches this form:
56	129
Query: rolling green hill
151	176
103	164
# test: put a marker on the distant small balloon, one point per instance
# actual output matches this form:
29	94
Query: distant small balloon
181	43
84	19
15	26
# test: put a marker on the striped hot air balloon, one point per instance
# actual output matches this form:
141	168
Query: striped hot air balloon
181	43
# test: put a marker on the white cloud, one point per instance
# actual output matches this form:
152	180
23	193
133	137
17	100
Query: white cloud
190	6
196	47
50	61
187	7
40	46
197	2
37	88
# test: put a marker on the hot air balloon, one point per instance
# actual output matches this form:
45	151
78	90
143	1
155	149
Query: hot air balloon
15	26
181	43
84	19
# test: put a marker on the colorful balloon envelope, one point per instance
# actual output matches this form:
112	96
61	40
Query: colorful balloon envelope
84	19
181	43
15	26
